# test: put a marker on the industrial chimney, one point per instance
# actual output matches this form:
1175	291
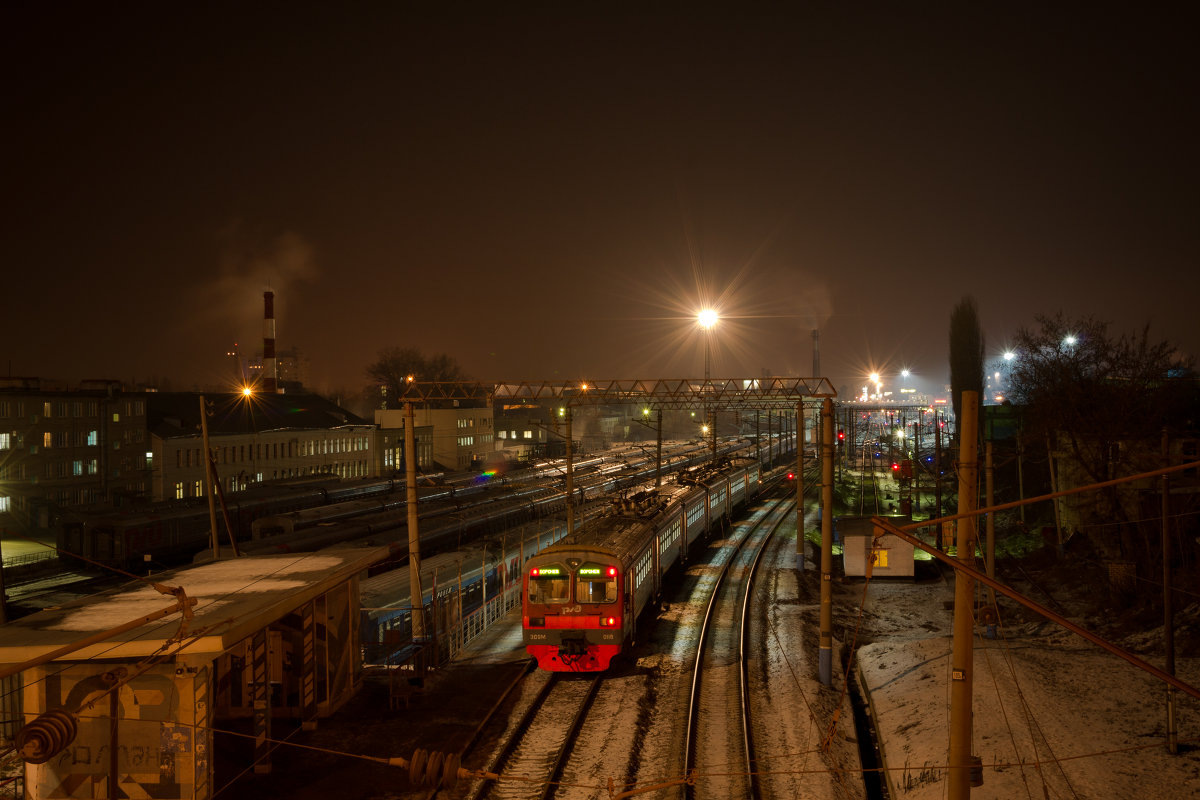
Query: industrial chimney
269	382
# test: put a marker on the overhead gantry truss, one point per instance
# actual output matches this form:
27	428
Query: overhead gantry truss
726	394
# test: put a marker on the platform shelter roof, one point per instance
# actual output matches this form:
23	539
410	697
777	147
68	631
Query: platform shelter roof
234	599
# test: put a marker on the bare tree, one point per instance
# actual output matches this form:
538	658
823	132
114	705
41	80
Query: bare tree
395	365
1102	399
1076	381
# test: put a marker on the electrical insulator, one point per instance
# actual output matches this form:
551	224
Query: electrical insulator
434	768
46	736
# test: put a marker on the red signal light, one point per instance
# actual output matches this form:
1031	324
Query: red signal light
841	436
608	622
612	572
895	465
791	476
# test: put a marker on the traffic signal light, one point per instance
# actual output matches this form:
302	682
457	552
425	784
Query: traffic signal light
841	435
791	476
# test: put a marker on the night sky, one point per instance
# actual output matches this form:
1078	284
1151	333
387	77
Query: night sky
552	191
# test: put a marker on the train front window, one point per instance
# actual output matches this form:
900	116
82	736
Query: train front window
549	584
596	583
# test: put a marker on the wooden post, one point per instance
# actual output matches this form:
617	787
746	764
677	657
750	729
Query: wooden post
962	652
261	696
825	651
1168	607
800	484
208	479
570	477
308	668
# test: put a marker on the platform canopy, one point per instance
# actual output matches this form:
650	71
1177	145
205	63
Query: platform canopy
234	599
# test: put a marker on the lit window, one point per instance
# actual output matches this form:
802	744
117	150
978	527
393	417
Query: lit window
93	438
5	441
5	506
47	439
77	468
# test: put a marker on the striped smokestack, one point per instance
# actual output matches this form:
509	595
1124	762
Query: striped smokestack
268	377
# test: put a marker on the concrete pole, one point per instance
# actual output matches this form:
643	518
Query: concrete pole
658	454
825	653
962	653
208	479
800	485
1168	608
416	596
570	477
1054	490
758	437
937	478
712	432
989	483
1020	478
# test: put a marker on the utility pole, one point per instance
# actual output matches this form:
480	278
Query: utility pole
917	459
208	477
989	483
1054	488
800	485
570	475
416	596
825	652
937	477
658	454
758	437
1020	479
1168	608
962	653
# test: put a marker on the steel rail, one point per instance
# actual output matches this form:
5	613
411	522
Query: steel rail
698	664
747	738
568	743
522	673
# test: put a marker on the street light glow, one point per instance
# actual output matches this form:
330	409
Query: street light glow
707	318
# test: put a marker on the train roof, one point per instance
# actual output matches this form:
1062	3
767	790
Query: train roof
236	598
623	530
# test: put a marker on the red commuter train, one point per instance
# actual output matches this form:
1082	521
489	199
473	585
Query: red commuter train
582	596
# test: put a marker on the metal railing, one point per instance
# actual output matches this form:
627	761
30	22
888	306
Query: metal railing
25	559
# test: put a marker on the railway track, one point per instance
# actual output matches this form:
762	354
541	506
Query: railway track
719	746
532	757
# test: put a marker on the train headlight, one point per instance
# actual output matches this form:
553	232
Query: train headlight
608	622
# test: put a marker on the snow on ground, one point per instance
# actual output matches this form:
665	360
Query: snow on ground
1054	715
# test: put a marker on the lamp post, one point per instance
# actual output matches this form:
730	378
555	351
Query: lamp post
708	319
